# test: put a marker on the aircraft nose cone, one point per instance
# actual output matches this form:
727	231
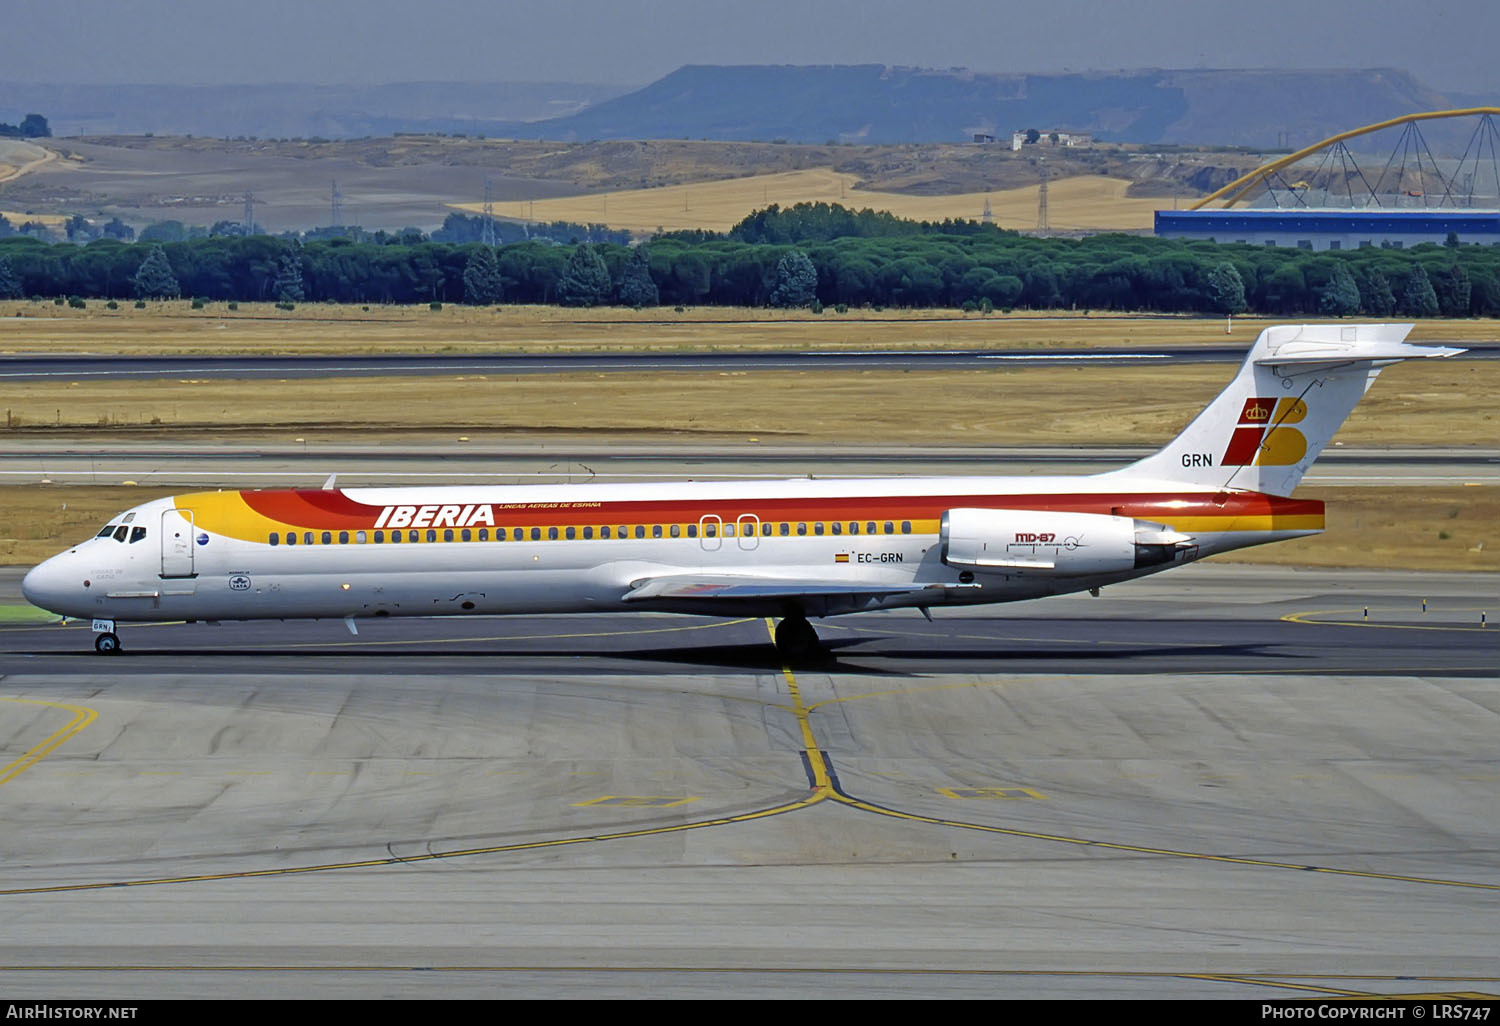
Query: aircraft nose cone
32	586
44	587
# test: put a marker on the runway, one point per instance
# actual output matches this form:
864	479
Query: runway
543	459
1221	782
81	366
73	367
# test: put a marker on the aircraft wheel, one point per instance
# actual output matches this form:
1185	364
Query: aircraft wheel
795	637
107	643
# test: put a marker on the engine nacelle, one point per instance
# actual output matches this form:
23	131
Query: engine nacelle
1057	544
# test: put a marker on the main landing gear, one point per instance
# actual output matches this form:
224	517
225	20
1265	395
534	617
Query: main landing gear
107	643
795	637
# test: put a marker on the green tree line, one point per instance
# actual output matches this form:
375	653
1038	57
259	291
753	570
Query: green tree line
973	266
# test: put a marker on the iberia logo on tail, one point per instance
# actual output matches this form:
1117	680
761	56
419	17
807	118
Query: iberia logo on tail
1262	436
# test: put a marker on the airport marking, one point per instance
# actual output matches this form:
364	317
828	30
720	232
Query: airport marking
814	761
638	801
823	786
842	797
82	717
990	793
1305	618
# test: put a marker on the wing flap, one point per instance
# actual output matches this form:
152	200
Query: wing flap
730	586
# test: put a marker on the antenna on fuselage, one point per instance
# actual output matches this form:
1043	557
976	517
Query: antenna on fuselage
328	485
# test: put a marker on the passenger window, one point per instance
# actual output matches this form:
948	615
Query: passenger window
620	532
343	537
906	527
801	529
327	537
692	530
395	537
890	528
136	534
536	534
818	527
484	534
588	534
854	527
677	530
572	533
786	528
291	537
552	534
432	536
640	530
379	537
709	531
603	531
307	537
121	532
412	536
447	534
838	528
765	529
275	538
656	530
870	527
359	537
728	531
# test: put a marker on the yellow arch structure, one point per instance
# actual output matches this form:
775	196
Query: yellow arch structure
1233	192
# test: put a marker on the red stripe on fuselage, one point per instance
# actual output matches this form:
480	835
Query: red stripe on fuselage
333	510
304	507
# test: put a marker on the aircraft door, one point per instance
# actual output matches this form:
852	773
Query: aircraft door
710	532
748	529
177	543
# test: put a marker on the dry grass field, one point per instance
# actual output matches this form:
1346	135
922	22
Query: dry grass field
1440	403
1077	203
1449	403
173	328
17	218
18	157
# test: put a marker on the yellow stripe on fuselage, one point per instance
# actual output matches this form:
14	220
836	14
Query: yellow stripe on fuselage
227	515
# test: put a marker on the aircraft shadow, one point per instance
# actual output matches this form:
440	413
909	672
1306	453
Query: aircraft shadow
867	656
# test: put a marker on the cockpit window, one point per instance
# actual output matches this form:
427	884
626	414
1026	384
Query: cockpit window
136	534
121	532
109	529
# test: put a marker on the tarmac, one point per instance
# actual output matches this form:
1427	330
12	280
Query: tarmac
1223	782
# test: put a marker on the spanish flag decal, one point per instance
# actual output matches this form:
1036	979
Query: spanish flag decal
841	557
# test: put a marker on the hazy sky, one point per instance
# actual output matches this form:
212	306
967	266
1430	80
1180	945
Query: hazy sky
1447	44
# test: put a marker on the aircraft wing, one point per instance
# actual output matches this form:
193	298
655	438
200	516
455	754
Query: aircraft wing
744	586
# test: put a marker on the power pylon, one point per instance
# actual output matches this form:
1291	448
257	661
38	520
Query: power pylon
1041	203
487	234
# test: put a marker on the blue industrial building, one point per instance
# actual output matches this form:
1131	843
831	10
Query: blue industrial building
1310	228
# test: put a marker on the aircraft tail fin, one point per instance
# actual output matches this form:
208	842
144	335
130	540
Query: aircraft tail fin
1295	389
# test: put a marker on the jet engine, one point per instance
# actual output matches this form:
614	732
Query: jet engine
1057	544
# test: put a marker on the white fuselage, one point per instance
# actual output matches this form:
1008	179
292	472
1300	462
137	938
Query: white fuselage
856	544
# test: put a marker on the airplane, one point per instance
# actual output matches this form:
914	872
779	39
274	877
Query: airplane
791	549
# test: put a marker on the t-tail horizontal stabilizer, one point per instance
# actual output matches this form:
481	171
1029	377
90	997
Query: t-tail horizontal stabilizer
1295	389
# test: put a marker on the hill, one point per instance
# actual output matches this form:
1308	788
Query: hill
298	110
879	104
